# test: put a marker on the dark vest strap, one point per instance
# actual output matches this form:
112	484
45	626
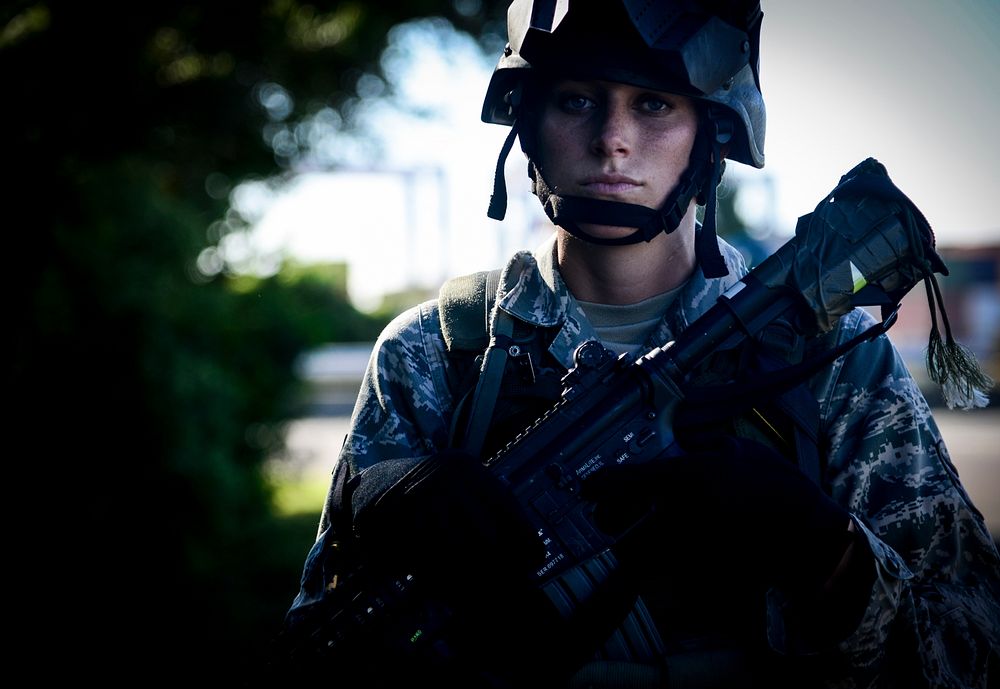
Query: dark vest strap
484	399
465	307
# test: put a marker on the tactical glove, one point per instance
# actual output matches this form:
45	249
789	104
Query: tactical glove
450	519
461	534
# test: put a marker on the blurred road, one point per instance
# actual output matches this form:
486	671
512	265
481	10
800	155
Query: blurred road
973	440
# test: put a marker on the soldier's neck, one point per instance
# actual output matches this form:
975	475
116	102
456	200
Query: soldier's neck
627	274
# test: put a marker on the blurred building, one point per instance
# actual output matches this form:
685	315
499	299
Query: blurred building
333	375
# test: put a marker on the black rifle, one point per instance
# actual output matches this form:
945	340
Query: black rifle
864	244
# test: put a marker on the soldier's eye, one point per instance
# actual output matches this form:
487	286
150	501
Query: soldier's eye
575	103
653	104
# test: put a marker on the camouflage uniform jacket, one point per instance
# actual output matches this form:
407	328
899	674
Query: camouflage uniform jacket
938	576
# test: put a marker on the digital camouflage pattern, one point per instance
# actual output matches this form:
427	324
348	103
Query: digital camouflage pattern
938	582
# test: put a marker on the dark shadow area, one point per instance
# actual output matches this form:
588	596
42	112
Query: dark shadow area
150	381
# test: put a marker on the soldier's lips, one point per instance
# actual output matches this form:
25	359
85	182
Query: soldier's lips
610	185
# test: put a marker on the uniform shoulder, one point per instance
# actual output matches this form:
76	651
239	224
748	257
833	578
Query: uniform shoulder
414	327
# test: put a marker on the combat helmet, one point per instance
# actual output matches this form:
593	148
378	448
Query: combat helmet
704	49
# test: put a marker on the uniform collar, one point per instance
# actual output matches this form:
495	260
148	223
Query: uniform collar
533	291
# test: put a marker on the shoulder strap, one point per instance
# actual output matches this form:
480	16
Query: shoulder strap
801	409
799	404
487	392
464	305
764	400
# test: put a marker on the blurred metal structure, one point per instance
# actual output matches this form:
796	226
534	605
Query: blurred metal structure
333	375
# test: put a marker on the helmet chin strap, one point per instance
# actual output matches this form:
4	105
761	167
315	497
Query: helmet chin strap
702	175
707	244
498	201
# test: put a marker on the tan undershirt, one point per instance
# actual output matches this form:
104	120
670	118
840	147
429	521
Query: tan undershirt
626	327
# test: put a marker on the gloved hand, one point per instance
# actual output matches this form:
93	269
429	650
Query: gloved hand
728	503
462	535
454	522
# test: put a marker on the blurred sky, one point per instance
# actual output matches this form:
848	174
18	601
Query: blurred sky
912	83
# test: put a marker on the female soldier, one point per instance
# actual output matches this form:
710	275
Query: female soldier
869	568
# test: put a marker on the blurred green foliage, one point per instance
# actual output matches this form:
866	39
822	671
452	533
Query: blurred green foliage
163	393
148	392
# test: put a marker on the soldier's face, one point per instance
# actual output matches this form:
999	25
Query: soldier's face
613	141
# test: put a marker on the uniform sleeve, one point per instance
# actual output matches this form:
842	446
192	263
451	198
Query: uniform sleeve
401	407
934	610
399	419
